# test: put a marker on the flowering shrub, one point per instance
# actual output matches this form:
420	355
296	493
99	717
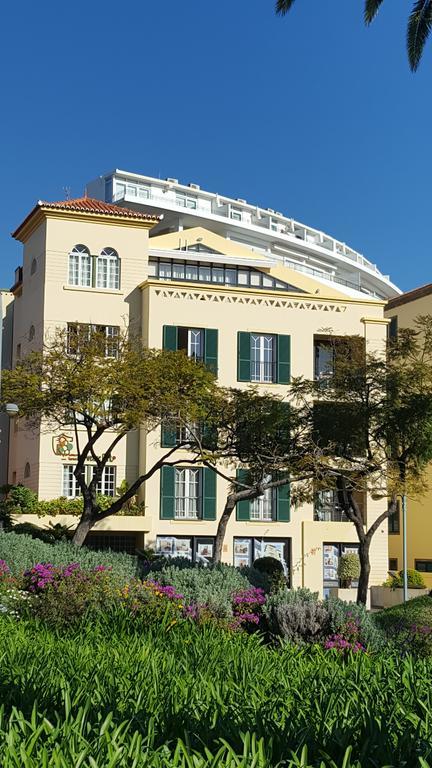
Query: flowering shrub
348	638
64	593
4	569
341	614
340	643
14	601
247	607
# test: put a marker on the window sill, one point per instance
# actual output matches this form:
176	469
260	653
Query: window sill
187	520
87	289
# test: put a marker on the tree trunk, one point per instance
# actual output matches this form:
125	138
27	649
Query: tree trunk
364	547
221	529
85	524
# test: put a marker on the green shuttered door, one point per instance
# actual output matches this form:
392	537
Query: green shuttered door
211	349
170	334
283	359
283	504
243	356
209	494
167	493
242	507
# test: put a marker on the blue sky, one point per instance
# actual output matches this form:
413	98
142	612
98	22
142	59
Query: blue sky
313	115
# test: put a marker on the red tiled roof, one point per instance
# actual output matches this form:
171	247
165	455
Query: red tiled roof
89	205
405	298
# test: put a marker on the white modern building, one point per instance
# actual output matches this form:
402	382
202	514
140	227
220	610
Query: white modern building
287	242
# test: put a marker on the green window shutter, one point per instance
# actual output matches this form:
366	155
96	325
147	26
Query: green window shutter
243	356
170	333
283	504
208	494
283	359
167	493
211	349
209	436
242	507
169	434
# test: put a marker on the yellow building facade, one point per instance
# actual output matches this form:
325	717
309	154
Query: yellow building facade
402	312
87	262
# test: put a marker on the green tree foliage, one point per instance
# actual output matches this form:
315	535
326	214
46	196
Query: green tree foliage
102	399
387	404
418	28
264	438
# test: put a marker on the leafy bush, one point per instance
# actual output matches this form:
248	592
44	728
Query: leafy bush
349	568
17	499
297	615
273	570
408	626
211	586
21	552
415	580
50	535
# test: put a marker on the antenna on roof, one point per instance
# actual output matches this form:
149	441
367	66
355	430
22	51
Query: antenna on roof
67	193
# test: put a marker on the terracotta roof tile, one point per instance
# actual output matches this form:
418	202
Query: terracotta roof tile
90	205
405	298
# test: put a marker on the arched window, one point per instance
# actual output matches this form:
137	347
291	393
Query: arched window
27	470
33	267
80	266
108	269
31	333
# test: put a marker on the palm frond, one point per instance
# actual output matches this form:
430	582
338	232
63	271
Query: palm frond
371	9
419	27
283	6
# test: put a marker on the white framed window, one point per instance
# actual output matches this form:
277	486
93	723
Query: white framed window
187	493
188	432
236	213
108	269
263	348
80	331
70	487
263	507
80	266
144	192
185	200
195	343
107	484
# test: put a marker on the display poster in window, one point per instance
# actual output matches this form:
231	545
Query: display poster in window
170	546
204	552
242	552
165	545
331	559
183	548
